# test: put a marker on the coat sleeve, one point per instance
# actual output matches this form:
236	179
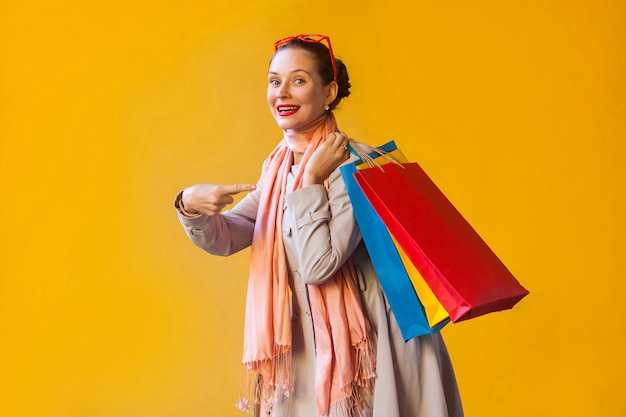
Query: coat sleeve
226	233
324	232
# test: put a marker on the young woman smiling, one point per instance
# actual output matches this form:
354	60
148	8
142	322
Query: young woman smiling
320	339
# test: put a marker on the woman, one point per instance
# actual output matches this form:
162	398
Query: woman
320	339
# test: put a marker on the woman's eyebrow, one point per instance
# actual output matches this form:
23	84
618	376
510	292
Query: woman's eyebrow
293	71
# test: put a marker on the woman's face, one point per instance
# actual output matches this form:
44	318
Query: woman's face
295	91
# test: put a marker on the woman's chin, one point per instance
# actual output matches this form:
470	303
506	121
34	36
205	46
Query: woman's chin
286	124
294	124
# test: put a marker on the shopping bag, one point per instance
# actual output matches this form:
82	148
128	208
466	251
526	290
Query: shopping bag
463	272
398	286
435	313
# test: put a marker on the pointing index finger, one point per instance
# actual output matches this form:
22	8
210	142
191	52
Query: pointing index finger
232	189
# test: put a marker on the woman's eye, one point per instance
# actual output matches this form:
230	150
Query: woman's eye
274	82
299	81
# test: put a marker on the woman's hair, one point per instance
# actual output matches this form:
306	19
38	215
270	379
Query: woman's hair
321	55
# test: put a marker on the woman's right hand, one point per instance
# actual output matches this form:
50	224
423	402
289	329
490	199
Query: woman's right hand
210	199
326	158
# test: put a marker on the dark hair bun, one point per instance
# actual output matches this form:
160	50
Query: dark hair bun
343	81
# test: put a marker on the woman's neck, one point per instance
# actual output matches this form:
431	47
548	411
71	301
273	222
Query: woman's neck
298	139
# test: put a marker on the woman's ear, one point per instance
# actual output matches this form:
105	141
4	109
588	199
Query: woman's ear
333	89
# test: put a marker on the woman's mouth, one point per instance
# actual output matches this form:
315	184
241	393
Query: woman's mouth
285	110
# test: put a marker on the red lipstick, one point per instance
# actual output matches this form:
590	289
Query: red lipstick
285	110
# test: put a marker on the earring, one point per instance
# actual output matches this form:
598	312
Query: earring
327	107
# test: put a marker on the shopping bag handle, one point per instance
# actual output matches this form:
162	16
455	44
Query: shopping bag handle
368	154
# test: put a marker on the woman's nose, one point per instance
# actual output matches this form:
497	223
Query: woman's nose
283	90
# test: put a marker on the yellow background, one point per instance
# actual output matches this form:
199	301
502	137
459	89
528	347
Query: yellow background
108	108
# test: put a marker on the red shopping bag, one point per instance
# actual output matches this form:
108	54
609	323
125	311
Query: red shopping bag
463	272
414	306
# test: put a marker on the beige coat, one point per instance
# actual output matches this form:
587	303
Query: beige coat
413	379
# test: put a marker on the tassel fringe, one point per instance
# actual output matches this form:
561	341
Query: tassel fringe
255	390
267	381
362	385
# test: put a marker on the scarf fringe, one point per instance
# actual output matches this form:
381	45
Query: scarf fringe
366	364
355	401
261	387
363	384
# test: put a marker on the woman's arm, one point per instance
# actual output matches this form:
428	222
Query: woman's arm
325	232
222	233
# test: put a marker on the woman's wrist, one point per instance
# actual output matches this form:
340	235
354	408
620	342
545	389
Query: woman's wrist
187	212
184	210
308	179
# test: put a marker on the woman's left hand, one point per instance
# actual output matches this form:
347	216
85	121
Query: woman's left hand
326	158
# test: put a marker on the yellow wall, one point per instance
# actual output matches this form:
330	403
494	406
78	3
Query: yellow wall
108	108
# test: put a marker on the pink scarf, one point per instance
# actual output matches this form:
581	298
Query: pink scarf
344	359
